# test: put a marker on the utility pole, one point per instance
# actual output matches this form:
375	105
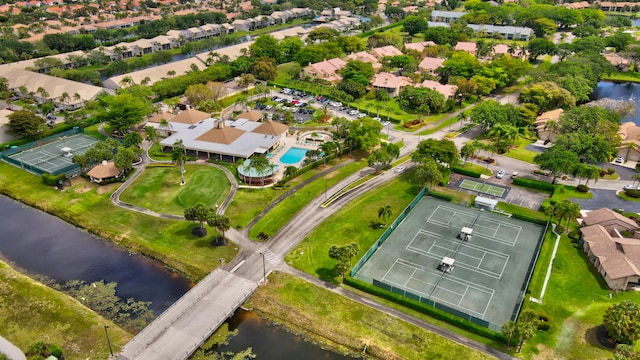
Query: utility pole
106	331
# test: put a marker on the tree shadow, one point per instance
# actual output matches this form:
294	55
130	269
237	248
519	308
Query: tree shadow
376	225
598	336
219	240
328	275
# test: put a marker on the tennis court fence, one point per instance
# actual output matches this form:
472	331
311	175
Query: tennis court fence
387	232
70	169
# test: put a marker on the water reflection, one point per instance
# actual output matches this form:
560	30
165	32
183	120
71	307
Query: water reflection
43	244
271	342
620	91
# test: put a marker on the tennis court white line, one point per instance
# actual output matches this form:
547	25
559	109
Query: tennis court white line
463	295
479	226
451	278
472	268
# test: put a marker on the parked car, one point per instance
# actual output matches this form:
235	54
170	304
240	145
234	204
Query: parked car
353	112
400	169
619	159
632	187
500	174
51	117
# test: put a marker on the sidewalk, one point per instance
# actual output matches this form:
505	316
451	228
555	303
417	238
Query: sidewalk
10	350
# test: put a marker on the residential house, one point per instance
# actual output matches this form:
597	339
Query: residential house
544	129
325	70
448	91
419	46
618	61
469	47
386	51
446	16
365	57
629	148
390	83
612	251
429	65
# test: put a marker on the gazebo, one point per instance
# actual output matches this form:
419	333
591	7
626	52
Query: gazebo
252	176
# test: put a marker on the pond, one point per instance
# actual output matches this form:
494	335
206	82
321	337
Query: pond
620	91
270	342
43	244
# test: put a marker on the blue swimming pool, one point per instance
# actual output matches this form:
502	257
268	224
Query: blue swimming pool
293	156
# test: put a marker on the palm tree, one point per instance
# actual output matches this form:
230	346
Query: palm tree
290	172
553	127
179	157
145	81
152	135
166	125
126	81
64	98
629	146
77	98
261	164
327	148
171	73
509	331
513	48
221	223
44	94
385	212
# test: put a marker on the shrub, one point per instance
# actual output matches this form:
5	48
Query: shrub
582	188
633	193
52	180
441	196
574	235
611	171
544	326
262	236
466	172
446	173
534	184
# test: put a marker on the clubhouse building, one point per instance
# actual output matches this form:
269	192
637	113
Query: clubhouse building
225	140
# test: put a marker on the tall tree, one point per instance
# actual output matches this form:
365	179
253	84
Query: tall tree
444	152
199	213
220	223
428	173
557	160
179	156
24	123
343	254
509	332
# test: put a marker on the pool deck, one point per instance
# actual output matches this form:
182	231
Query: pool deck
291	142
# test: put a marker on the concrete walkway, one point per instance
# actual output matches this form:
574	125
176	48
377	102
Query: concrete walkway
10	350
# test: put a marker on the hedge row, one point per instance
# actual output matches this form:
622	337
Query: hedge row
441	196
423	308
534	184
52	180
384	28
466	172
528	218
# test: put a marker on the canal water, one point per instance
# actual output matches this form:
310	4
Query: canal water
620	91
271	342
42	244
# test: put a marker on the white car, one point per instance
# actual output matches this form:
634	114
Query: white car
632	187
500	174
400	169
353	112
619	160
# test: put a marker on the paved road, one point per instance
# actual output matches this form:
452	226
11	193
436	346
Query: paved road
10	350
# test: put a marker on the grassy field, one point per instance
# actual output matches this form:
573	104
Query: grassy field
627	76
32	312
88	205
357	222
520	153
575	302
346	326
158	188
280	214
477	168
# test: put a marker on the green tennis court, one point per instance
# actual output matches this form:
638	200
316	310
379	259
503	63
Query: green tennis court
482	187
56	155
491	270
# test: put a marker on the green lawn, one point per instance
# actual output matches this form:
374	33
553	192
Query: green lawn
575	301
280	214
477	168
521	153
565	192
624	196
357	222
88	205
346	326
32	312
158	188
248	203
622	76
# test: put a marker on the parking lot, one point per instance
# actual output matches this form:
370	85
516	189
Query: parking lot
304	106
